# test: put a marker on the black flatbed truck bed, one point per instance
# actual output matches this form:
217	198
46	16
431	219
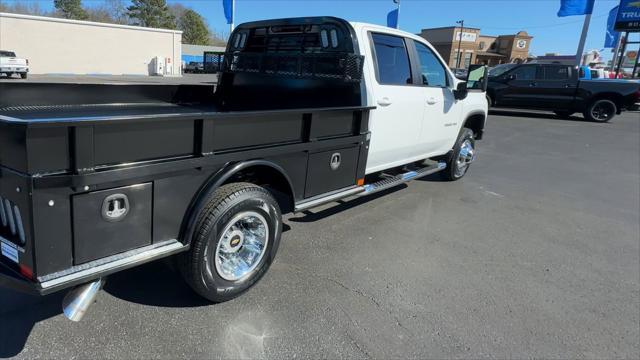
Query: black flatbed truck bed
62	154
97	178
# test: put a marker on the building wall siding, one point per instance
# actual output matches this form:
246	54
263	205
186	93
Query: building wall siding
61	46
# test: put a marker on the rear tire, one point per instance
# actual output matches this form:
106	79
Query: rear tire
563	114
235	241
462	157
601	110
23	75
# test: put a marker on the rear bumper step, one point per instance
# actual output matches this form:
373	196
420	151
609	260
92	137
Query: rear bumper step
368	189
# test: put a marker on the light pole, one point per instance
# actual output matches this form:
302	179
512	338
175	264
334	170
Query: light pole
461	22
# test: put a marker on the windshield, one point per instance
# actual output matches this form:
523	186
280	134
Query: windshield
501	69
7	54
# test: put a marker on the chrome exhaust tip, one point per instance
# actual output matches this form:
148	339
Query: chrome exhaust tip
76	303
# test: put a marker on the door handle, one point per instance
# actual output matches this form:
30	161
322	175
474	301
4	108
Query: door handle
568	86
384	101
532	84
432	100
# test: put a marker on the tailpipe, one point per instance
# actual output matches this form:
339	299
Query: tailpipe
76	303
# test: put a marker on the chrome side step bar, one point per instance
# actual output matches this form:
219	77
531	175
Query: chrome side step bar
100	268
368	189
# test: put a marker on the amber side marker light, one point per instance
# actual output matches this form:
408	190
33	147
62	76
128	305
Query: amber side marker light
360	182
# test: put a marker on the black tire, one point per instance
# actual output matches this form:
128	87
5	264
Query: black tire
452	173
563	114
23	75
197	265
601	110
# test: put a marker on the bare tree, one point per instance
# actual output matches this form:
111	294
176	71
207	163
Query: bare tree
23	7
109	11
118	11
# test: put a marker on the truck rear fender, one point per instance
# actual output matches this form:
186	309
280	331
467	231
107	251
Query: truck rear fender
475	121
615	97
260	172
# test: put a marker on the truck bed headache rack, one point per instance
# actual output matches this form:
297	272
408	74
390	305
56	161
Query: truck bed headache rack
212	62
338	65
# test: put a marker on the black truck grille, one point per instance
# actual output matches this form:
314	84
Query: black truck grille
11	222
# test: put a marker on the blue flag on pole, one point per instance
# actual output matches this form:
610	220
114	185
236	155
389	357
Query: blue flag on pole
227	5
575	7
392	19
612	36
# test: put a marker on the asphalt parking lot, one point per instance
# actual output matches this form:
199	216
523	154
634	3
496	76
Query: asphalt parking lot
535	254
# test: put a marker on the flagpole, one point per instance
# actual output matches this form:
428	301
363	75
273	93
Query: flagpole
398	21
583	39
616	51
233	15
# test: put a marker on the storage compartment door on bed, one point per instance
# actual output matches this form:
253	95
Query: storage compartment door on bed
111	221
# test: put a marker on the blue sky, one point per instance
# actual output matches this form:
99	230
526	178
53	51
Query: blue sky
493	17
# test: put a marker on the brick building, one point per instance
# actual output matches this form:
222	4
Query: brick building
476	48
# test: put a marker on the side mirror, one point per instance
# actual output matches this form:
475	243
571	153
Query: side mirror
461	92
477	78
511	77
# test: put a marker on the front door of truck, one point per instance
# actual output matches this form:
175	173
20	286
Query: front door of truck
396	122
520	89
556	86
441	119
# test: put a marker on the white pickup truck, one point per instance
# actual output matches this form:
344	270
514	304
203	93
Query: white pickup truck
307	111
10	64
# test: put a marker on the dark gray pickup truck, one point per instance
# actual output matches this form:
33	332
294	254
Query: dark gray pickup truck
557	88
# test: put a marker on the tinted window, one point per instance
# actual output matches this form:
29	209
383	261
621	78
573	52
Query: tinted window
524	73
392	60
500	69
556	72
7	54
433	73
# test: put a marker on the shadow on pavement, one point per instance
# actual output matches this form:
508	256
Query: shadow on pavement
437	177
157	283
19	313
537	115
343	205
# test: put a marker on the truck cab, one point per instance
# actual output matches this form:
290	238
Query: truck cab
417	114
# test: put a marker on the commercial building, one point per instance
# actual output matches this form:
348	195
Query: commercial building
476	48
61	46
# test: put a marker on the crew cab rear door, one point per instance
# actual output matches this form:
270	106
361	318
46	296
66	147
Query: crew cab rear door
396	122
556	87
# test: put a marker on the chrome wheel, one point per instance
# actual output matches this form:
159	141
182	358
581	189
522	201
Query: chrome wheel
466	156
602	111
242	245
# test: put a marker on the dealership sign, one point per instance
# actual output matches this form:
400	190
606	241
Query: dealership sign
468	36
628	18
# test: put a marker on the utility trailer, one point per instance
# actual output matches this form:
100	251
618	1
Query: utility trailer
98	178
